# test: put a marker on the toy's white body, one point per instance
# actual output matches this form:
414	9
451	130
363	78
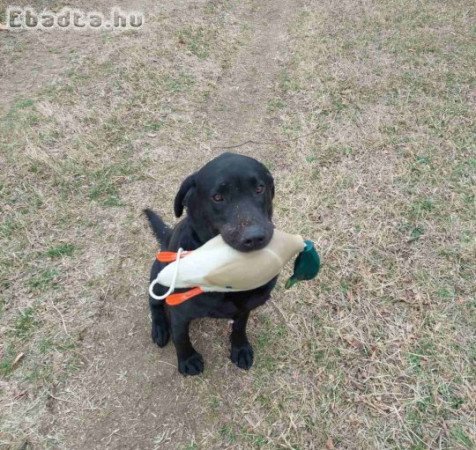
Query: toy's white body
216	266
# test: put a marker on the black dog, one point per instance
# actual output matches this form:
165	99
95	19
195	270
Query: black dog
231	195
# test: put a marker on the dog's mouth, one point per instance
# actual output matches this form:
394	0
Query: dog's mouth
249	238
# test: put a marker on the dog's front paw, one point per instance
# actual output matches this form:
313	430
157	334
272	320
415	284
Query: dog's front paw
160	333
193	365
242	356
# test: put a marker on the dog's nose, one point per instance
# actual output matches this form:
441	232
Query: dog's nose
253	238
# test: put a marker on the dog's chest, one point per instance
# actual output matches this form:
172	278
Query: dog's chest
227	306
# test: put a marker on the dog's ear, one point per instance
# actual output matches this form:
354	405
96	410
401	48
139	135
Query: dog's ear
270	182
270	193
182	194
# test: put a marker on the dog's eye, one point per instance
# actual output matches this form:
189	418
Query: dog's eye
260	189
218	198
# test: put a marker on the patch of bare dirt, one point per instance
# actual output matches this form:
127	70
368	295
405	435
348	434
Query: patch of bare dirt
238	110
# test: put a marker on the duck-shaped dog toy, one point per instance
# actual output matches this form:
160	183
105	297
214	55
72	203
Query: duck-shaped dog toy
217	267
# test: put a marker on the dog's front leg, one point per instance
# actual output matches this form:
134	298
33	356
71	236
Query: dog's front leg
241	350
160	328
190	362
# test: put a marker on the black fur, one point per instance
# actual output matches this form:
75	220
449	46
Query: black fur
232	196
161	230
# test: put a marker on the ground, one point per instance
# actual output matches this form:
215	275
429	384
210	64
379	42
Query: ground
363	111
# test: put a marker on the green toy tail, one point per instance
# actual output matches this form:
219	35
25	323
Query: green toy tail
306	265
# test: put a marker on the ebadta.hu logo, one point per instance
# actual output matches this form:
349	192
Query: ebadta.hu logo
19	18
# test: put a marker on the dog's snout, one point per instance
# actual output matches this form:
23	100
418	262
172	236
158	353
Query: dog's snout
253	238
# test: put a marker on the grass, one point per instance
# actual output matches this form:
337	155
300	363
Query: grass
6	362
44	280
24	323
60	250
197	40
371	110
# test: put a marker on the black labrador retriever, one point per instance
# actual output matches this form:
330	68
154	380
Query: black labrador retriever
231	195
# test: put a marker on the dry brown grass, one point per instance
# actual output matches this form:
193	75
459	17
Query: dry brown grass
368	126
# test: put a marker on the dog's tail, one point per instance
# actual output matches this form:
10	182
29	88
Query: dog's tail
161	230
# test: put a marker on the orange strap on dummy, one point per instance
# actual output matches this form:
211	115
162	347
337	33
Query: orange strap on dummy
180	297
168	257
177	299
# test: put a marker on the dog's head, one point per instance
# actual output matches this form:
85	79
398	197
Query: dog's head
232	195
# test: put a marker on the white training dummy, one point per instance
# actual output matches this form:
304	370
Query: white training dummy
217	267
